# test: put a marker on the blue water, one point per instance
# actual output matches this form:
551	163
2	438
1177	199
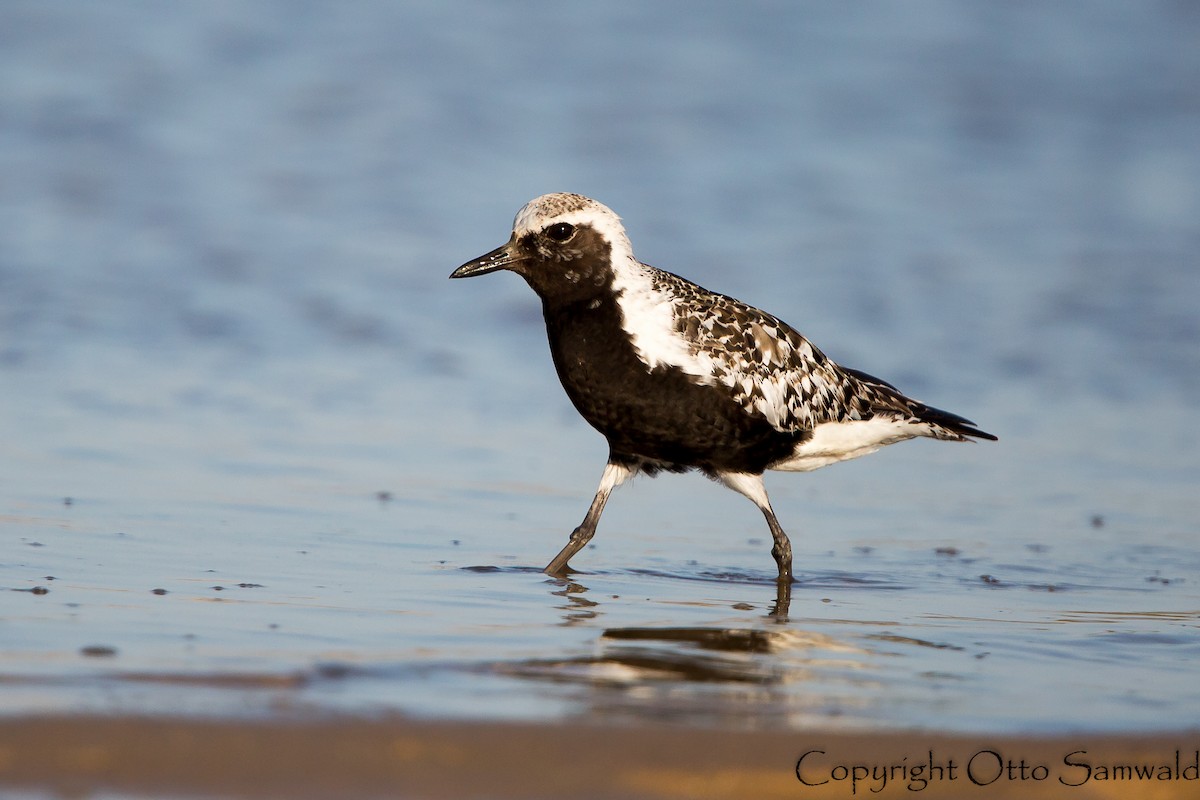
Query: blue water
230	357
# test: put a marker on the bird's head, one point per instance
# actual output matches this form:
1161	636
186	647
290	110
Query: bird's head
563	245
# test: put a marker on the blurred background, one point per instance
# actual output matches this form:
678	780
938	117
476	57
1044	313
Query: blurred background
226	331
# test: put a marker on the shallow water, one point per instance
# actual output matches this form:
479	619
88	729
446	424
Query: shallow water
260	457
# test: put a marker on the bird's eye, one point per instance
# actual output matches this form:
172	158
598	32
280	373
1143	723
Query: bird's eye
560	231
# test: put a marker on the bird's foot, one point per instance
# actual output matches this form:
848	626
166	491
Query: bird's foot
558	566
783	559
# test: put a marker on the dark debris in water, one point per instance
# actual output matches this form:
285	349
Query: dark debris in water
335	671
98	651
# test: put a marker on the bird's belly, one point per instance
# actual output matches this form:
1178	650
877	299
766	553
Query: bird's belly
666	416
659	414
832	442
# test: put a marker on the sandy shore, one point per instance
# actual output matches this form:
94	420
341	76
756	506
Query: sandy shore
75	756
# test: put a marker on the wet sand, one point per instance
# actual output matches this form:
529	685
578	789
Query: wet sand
269	481
141	756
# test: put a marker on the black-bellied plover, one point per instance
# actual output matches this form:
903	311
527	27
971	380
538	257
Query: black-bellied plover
677	377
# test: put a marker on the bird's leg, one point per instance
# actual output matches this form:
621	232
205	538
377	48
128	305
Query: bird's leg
751	486
614	475
782	549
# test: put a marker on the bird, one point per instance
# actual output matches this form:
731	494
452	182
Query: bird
679	378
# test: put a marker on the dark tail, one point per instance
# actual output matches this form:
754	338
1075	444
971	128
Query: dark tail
953	423
956	427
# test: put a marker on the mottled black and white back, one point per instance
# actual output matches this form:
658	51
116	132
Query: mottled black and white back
677	377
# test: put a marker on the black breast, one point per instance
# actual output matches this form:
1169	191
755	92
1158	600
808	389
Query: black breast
661	417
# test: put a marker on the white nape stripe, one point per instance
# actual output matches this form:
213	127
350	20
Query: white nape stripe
839	441
537	215
648	316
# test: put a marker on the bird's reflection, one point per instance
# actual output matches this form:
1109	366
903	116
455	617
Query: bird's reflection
579	608
767	654
783	601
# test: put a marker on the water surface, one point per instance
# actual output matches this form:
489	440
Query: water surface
260	457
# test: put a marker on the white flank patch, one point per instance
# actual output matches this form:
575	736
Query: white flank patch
839	441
